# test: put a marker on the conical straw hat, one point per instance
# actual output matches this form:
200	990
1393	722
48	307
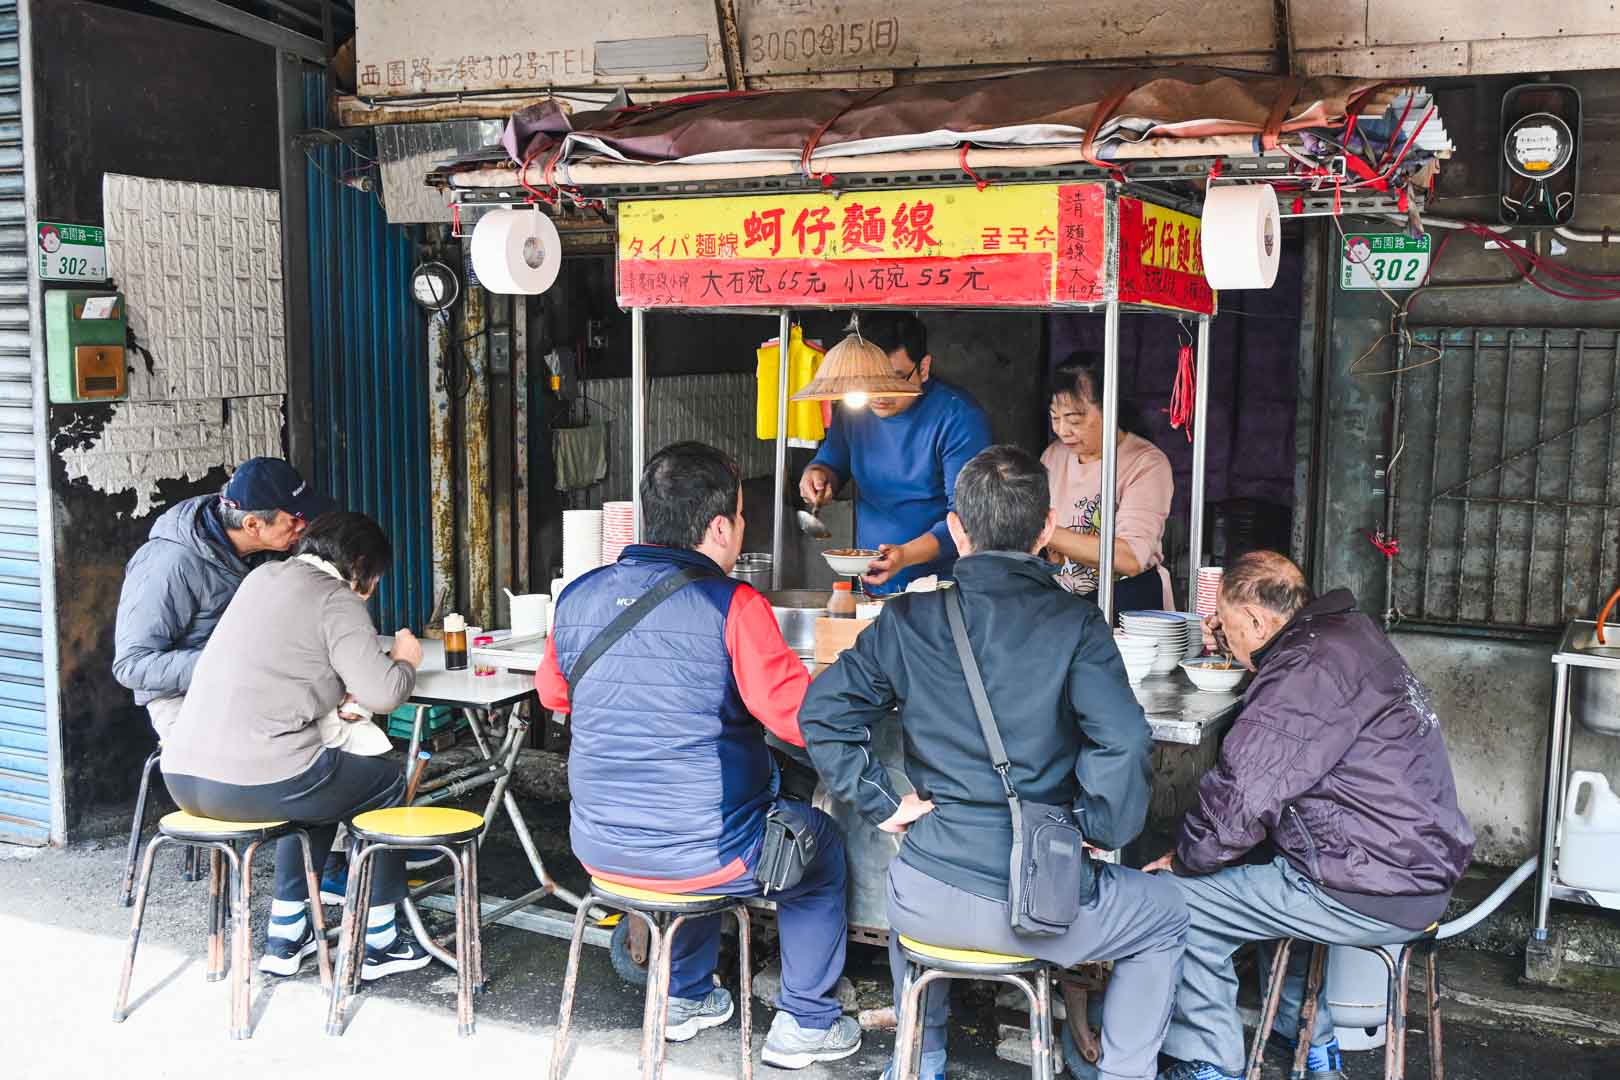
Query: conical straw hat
856	366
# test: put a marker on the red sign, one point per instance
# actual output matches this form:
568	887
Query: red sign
1161	259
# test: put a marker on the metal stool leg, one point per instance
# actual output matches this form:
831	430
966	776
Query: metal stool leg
1437	1050
1042	1043
464	959
312	886
745	987
217	964
652	1012
667	952
1398	998
565	1013
1269	1003
137	827
908	1058
352	931
242	976
120	1009
475	905
1308	1007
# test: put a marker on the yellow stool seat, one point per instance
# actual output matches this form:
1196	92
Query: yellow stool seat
630	892
402	824
181	825
961	956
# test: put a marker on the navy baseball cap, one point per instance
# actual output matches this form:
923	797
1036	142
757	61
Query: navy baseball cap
267	483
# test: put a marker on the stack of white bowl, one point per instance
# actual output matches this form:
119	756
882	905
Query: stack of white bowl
582	543
1195	634
1139	655
1167	629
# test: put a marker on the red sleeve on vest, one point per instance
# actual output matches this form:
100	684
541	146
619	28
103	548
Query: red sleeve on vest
770	676
549	681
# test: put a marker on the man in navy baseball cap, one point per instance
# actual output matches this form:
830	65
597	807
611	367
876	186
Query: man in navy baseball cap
178	584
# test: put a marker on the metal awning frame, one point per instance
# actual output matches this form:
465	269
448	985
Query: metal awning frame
1112	311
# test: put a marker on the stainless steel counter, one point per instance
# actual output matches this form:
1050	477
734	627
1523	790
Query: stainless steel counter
1180	713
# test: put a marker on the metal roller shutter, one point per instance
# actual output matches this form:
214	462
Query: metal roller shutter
26	789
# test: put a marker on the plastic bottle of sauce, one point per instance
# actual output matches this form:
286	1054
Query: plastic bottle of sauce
841	605
455	643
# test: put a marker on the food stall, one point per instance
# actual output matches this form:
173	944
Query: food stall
953	201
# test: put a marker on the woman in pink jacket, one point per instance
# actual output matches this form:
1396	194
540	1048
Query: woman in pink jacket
1074	470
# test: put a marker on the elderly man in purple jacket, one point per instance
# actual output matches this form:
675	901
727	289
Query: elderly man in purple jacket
1331	814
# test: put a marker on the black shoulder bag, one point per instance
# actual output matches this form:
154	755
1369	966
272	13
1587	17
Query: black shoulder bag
789	846
1050	875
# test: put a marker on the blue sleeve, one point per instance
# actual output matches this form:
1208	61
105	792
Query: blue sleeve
834	452
1115	768
966	432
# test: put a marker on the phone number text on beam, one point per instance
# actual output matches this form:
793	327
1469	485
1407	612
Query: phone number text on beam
942	247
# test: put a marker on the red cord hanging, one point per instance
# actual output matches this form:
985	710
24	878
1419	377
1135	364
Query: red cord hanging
1388	546
1184	392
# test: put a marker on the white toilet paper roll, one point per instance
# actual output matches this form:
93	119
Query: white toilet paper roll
516	252
1242	236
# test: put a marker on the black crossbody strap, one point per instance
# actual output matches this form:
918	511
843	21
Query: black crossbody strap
629	617
981	700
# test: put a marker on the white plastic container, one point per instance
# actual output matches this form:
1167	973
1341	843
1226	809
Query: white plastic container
1589	857
529	613
1357	986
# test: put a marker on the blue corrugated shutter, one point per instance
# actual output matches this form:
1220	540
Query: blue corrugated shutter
25	785
370	386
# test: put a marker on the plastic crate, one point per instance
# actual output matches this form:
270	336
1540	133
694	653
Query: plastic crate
439	718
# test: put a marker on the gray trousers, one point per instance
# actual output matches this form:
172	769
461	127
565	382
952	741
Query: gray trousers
1230	908
1137	920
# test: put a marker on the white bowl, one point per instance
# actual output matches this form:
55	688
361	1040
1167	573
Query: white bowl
849	565
1210	678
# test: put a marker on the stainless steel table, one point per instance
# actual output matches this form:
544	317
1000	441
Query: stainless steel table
479	699
1578	655
1180	713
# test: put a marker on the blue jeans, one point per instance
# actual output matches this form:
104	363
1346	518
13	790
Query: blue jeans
812	923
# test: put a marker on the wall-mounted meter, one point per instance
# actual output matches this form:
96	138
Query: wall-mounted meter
84	345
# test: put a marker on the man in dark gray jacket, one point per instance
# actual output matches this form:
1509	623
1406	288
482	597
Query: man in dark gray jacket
1074	734
179	583
1331	815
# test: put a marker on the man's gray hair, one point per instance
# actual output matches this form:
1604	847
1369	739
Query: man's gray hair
232	517
1266	579
1002	497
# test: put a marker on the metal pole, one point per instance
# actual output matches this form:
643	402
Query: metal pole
1195	515
1110	460
779	511
638	408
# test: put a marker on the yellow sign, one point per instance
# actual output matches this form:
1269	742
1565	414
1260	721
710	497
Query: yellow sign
949	223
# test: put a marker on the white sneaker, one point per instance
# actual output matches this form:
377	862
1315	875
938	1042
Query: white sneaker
790	1046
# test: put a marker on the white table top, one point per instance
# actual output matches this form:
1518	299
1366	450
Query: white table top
461	689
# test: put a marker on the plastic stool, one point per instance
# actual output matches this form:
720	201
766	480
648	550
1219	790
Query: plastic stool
664	914
1397	961
927	963
437	828
221	838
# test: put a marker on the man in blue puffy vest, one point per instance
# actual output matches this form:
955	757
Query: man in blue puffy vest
669	774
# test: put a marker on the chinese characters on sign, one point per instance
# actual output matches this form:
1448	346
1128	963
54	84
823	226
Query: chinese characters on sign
1161	258
1009	246
422	74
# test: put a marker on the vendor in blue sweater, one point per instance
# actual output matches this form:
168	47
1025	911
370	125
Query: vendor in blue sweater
904	453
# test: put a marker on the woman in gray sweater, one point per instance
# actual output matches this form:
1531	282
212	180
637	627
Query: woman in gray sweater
295	643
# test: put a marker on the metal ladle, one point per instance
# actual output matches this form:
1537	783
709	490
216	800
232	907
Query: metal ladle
813	527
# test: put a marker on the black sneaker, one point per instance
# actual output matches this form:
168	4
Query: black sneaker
283	956
405	954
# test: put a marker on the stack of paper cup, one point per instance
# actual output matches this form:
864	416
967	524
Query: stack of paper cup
618	529
1209	589
582	542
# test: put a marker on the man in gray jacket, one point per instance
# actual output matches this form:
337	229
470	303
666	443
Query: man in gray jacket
181	580
1074	735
